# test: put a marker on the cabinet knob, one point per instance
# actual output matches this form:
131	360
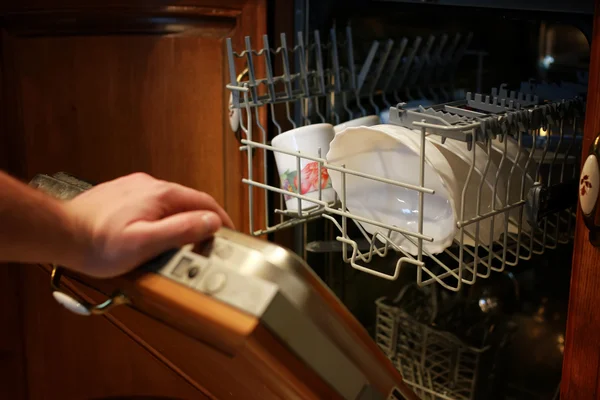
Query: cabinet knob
589	183
81	307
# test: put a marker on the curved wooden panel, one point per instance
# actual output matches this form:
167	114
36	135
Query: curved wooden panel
103	89
217	349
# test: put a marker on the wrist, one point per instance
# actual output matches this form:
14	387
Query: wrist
74	249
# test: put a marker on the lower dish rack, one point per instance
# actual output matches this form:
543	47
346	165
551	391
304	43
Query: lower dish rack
436	363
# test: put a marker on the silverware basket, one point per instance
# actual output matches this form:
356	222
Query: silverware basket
435	363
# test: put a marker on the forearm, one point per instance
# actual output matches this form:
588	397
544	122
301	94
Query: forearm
34	228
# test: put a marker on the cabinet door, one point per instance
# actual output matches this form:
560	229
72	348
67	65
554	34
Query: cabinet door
100	90
581	367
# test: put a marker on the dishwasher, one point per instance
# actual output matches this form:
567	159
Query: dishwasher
501	86
419	177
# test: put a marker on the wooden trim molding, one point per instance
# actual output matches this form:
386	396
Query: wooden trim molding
123	20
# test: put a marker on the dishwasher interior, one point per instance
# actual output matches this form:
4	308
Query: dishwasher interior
482	317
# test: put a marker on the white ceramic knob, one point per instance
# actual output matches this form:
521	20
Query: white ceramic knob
588	184
71	304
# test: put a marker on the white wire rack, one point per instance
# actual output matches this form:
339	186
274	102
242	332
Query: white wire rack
323	85
435	363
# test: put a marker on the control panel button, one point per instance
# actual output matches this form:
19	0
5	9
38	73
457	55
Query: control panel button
214	282
192	272
223	250
182	266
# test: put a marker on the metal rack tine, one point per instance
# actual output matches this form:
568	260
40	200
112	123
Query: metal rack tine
419	64
350	55
251	72
318	89
300	50
336	75
232	73
392	71
351	68
360	80
268	68
270	82
443	66
335	61
302	67
432	64
319	63
287	79
458	55
451	49
407	66
364	71
378	71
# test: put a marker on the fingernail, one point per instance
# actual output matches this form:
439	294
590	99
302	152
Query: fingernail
212	221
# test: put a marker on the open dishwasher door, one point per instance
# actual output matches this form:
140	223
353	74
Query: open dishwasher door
246	319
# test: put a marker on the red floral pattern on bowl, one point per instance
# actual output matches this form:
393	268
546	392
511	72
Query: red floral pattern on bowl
309	179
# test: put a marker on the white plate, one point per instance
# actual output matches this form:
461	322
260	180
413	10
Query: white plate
460	159
369	120
392	152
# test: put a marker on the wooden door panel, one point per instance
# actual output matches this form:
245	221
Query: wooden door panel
104	107
250	364
581	366
74	357
101	90
12	360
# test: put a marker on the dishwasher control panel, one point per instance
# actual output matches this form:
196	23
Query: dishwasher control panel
213	268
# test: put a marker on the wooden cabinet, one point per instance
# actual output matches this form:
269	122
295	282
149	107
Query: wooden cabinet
103	89
581	366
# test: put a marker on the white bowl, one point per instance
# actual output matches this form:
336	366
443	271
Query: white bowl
369	120
306	140
392	152
460	159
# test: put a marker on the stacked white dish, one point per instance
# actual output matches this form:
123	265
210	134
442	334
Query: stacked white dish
393	152
467	183
368	120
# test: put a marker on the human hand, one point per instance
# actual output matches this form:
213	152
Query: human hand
123	223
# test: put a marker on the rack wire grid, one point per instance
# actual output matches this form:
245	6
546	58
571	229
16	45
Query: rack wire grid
547	133
436	364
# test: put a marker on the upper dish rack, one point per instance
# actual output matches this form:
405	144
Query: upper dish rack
324	86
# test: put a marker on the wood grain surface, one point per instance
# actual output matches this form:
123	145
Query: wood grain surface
99	90
581	366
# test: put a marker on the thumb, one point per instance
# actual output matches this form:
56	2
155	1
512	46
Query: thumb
174	231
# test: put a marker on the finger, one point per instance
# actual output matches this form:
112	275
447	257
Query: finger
179	198
155	237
